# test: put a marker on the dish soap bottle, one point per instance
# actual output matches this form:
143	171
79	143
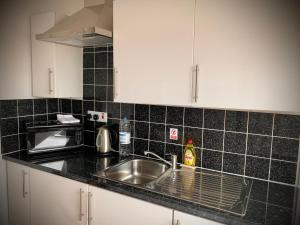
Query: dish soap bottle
124	137
189	156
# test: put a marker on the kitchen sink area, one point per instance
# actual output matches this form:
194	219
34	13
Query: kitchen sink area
211	189
135	171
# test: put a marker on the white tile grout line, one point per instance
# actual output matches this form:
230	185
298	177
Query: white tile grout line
165	144
298	167
246	150
202	137
270	158
18	124
223	147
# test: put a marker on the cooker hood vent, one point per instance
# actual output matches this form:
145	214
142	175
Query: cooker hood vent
91	26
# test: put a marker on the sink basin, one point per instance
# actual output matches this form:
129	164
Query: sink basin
137	171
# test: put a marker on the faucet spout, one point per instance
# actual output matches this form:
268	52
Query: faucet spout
173	162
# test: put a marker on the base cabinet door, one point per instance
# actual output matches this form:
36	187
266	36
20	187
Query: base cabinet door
186	219
109	208
57	200
18	194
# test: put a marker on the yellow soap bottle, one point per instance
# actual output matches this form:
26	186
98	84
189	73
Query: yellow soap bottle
189	156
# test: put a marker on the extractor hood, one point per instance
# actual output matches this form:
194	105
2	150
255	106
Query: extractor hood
91	26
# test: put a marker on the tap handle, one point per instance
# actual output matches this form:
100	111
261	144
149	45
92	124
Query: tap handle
174	161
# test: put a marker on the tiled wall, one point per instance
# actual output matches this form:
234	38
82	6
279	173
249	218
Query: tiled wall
252	144
14	114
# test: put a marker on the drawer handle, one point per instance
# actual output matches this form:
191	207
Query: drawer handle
24	188
81	214
90	218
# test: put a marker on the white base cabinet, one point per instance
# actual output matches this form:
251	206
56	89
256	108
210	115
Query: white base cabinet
18	194
56	200
186	219
109	208
40	198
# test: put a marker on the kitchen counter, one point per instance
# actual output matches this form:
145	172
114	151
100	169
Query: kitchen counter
269	203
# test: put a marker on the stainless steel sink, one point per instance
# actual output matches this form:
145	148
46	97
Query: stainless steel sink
137	171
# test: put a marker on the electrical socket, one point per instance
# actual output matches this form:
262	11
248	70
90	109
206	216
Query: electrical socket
97	116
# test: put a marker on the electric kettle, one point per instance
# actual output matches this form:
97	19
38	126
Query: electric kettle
103	140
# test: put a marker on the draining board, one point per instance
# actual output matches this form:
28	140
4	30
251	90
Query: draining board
215	190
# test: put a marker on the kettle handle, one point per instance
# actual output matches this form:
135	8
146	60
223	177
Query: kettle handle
98	139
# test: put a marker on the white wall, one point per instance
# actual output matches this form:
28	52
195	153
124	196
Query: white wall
15	58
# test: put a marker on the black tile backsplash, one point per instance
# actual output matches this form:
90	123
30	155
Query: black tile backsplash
213	139
285	149
142	112
257	167
193	117
235	142
100	77
233	163
15	114
259	145
214	119
157	114
284	172
287	126
39	106
212	160
175	115
25	107
236	121
8	108
158	132
260	123
9	126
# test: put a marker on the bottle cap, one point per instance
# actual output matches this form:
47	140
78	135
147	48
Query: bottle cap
190	141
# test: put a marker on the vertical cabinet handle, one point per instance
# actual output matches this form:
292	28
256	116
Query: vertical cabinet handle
196	84
81	214
115	92
178	222
196	91
90	218
24	185
51	80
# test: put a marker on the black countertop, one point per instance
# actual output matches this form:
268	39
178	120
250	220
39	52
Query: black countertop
270	203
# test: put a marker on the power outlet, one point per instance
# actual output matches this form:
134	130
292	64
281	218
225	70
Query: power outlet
97	116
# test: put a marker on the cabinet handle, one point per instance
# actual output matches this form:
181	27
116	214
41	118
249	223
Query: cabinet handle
90	218
51	83
24	188
81	214
115	93
178	222
196	84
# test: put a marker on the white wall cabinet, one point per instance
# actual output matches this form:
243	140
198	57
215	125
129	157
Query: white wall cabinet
186	219
245	53
56	200
18	194
105	205
153	51
56	69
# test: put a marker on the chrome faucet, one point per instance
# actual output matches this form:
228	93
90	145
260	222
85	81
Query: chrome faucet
173	162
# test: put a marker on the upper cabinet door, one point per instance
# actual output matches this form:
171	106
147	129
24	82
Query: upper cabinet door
248	54
42	56
153	51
